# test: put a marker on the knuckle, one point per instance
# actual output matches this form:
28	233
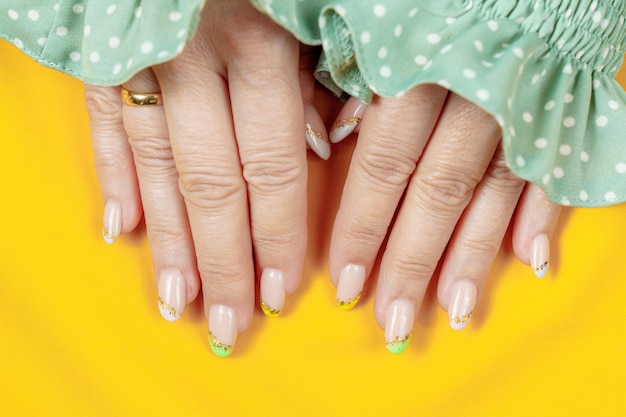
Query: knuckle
271	174
213	189
385	168
164	234
445	191
480	248
360	231
272	243
113	160
103	104
151	152
501	178
415	272
221	278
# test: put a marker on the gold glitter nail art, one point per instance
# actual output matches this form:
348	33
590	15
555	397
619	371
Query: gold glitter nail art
346	122
219	348
399	344
541	267
461	320
347	305
269	311
168	308
308	130
108	236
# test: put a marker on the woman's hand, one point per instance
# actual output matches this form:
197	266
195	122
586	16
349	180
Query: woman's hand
220	168
428	173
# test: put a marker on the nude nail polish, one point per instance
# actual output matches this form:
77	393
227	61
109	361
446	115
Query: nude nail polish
461	304
222	329
399	325
272	292
349	118
540	256
172	291
350	286
317	142
112	221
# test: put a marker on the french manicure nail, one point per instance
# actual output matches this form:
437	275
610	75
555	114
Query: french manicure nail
352	115
112	221
272	292
317	142
399	325
540	256
222	330
350	286
461	304
172	294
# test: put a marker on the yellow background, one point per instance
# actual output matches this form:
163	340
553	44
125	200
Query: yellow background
81	335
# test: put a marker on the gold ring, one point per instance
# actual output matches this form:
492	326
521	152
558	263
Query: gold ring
141	99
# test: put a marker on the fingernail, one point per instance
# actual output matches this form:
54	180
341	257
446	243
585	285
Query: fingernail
462	303
272	292
172	294
539	259
399	325
112	221
317	142
348	120
222	330
350	286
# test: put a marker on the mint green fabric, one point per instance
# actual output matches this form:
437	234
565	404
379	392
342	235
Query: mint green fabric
544	68
101	42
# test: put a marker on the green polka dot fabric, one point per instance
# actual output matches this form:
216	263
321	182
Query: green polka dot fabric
543	68
101	42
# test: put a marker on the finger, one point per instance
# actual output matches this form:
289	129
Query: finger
114	161
389	145
348	119
314	128
454	162
476	241
269	120
166	218
533	228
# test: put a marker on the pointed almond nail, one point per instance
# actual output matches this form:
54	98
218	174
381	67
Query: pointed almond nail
350	286
462	303
348	119
399	325
222	330
317	142
272	292
172	294
540	256
112	221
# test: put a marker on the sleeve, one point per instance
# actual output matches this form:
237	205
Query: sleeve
544	69
103	43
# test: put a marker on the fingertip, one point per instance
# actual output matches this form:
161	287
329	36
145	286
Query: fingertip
348	120
315	132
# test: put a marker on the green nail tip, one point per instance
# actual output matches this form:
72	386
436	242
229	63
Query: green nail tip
398	345
219	348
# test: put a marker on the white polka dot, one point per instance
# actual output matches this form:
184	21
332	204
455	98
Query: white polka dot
18	42
469	73
527	117
512	131
613	104
605	52
146	47
520	161
341	11
584	156
558	172
487	64
33	15
569	122
445	84
596	17
397	31
138	12
366	37
385	71
78	8
322	22
379	10
163	54
482	95
565	201
493	25
535	79
181	33
117	69
382	52
549	105
94	57
114	42
41	41
596	83
545	179
175	16
400	94
621	168
519	52
541	143
567	69
75	56
583	196
610	196
13	14
602	121
56	7
568	98
420	60
445	49
413	12
433	38
87	30
326	45
61	31
111	9
565	150
498	55
180	47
